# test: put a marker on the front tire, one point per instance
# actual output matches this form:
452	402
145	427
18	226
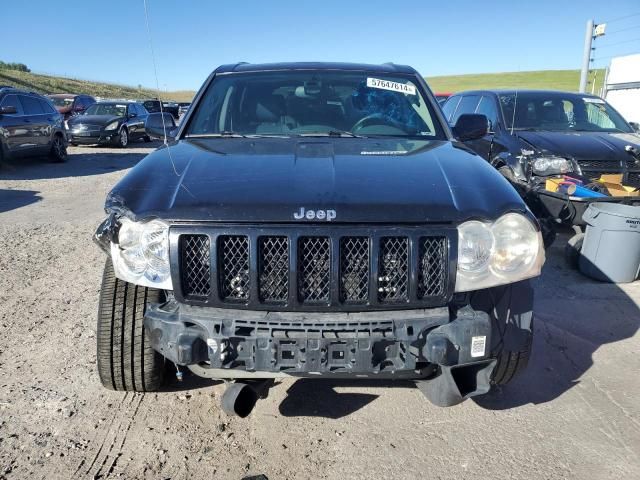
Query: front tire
126	361
510	363
510	308
58	152
123	138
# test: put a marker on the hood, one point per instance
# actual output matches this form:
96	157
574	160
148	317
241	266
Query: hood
582	145
102	120
268	180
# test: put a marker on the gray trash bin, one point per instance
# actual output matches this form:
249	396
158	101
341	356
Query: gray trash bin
611	248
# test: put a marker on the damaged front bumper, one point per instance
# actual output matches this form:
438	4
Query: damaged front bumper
413	344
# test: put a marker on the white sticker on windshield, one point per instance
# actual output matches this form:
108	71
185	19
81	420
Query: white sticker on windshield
389	85
592	100
121	106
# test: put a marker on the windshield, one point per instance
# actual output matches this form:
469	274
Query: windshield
61	102
111	109
314	103
152	106
559	111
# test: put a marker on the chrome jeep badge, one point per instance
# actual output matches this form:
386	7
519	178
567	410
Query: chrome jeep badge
327	215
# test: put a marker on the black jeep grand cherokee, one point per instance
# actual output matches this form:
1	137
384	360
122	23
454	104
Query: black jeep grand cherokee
316	220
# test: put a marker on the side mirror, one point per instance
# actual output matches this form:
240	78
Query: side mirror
156	124
471	126
8	110
635	126
133	115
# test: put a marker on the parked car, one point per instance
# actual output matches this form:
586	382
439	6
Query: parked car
536	134
30	126
153	106
442	97
112	123
320	221
183	107
69	104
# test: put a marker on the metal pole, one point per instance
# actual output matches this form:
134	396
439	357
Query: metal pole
586	56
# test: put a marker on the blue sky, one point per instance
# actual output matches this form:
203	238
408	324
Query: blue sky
107	40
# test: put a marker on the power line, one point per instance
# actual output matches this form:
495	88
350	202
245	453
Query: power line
622	18
614	55
633	27
619	43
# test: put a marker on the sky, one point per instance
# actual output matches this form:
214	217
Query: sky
107	40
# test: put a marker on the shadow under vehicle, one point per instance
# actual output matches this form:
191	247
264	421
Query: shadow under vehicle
316	220
536	135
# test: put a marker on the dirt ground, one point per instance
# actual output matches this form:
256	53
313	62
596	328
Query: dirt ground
574	414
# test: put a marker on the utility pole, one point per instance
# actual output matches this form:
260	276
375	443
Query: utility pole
586	56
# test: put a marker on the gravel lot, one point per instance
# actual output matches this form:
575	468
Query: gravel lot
574	414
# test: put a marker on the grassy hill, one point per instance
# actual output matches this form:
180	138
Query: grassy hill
52	84
543	79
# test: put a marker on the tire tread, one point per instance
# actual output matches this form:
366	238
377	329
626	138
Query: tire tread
126	362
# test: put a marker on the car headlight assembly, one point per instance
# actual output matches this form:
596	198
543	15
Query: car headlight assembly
544	166
141	255
505	251
112	125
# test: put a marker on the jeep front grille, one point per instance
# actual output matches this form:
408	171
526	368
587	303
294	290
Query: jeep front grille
196	265
273	269
313	268
233	267
393	277
354	269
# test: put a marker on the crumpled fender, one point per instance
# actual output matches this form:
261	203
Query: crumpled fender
107	231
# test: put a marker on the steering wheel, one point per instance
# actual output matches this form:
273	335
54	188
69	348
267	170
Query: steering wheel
377	119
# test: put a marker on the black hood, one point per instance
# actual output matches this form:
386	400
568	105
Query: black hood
582	145
102	120
267	180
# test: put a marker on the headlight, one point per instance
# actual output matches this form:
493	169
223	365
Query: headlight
112	126
141	255
490	254
551	166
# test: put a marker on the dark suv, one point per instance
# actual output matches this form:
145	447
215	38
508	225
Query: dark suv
30	126
316	220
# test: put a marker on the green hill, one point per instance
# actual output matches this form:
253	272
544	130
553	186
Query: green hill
52	84
543	79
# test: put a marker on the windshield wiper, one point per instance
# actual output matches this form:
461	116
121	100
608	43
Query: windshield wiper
229	134
332	133
224	134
